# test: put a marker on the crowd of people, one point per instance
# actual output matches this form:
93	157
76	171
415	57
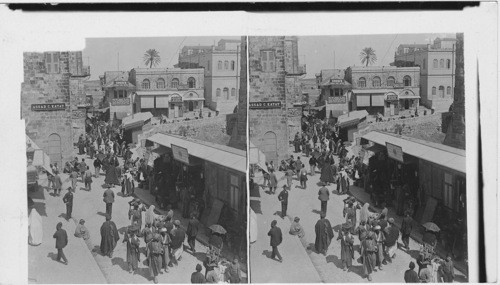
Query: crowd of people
159	241
376	234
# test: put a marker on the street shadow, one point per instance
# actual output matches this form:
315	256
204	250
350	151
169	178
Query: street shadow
40	194
96	250
413	253
120	262
266	253
277	213
144	272
254	191
52	256
310	248
461	279
316	211
298	186
84	189
101	214
335	260
358	270
120	194
62	215
123	230
40	208
201	256
256	206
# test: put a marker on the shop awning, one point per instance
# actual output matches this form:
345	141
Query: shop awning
136	120
102	110
351	118
319	108
40	158
439	154
256	155
219	154
120	115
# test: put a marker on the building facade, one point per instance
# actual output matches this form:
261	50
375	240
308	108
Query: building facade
274	78
222	67
51	94
171	92
118	94
94	93
384	89
310	91
437	70
334	92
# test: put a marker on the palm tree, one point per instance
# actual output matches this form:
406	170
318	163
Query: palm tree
368	56
151	58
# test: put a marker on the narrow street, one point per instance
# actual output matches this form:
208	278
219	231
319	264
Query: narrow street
88	265
304	203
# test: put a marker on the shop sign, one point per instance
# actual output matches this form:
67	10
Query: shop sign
394	152
337	81
392	97
337	100
48	107
176	99
265	105
180	154
120	101
78	114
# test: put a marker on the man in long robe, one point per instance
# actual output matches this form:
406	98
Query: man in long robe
111	175
109	237
324	234
154	252
133	253
346	246
327	174
369	255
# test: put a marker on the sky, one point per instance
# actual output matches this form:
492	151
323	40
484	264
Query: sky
317	52
110	54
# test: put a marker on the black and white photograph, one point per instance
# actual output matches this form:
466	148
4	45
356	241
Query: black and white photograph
357	153
136	161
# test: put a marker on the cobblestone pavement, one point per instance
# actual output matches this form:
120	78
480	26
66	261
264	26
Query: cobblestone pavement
304	203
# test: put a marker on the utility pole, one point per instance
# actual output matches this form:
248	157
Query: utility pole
333	59
118	60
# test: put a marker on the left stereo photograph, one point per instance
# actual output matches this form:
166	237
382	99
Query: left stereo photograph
136	161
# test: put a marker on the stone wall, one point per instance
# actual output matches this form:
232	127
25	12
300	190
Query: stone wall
239	133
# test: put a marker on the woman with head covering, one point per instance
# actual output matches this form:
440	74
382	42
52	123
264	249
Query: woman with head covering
296	228
35	228
364	214
150	215
369	253
109	237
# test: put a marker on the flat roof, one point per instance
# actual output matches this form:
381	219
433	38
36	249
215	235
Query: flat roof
444	155
135	118
219	154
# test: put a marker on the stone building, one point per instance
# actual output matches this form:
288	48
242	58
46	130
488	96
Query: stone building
52	96
118	94
334	92
310	91
437	70
222	67
274	76
94	93
172	92
384	89
237	123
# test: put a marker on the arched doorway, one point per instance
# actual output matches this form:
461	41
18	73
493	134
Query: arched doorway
270	147
191	107
54	150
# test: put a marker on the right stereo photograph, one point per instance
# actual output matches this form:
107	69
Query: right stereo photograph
357	159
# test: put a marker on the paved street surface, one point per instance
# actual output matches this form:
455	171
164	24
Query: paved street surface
299	259
86	266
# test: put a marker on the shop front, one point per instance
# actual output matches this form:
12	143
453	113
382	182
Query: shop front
391	104
176	106
426	179
371	100
408	100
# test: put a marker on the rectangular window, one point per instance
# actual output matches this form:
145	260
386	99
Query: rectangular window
338	92
115	94
267	60
331	92
52	62
448	191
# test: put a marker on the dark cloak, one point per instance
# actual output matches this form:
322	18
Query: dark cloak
109	237
111	176
327	174
324	235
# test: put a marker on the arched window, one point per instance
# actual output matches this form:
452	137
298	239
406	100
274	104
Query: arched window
441	63
160	83
390	81
448	63
434	90
407	80
174	83
233	92
441	91
225	92
145	84
362	82
217	93
232	65
435	63
219	65
376	81
191	82
448	90
226	64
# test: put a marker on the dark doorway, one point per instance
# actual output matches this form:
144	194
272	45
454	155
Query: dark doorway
191	106
407	104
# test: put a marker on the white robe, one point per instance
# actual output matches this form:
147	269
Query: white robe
35	228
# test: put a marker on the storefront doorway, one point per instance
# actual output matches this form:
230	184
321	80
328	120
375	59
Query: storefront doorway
407	104
191	107
270	146
54	151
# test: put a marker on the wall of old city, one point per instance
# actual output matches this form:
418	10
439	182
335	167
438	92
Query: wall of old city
78	114
266	125
239	133
40	87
